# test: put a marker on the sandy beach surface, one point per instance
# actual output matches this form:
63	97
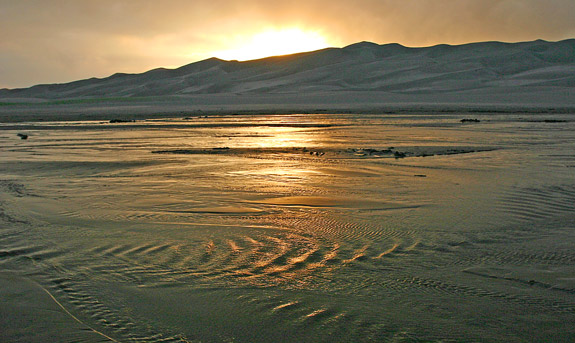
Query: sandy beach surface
510	100
193	225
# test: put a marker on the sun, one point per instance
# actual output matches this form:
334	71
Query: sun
273	43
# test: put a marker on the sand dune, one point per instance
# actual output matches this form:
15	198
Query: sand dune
530	68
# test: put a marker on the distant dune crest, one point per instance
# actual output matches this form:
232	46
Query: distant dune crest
362	66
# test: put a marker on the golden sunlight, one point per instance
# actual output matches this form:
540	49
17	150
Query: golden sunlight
273	43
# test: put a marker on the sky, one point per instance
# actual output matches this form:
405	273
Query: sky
55	41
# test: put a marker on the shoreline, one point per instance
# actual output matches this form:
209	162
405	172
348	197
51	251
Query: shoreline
37	110
105	114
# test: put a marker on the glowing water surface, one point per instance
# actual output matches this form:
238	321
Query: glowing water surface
292	228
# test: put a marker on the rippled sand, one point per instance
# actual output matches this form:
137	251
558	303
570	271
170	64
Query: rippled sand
301	228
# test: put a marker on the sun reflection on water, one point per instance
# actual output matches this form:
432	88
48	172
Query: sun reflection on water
286	137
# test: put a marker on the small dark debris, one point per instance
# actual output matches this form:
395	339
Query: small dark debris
115	121
547	121
22	136
316	153
420	175
399	154
470	120
369	151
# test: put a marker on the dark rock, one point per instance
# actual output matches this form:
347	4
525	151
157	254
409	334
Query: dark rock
22	136
470	120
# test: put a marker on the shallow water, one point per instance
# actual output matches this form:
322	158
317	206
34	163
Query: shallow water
293	228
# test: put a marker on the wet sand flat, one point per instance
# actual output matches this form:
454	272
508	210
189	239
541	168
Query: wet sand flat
289	228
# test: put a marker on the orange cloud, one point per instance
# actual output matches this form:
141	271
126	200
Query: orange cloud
64	40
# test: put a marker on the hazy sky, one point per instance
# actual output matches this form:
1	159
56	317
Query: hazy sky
47	41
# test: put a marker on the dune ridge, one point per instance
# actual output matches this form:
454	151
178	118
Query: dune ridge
360	67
